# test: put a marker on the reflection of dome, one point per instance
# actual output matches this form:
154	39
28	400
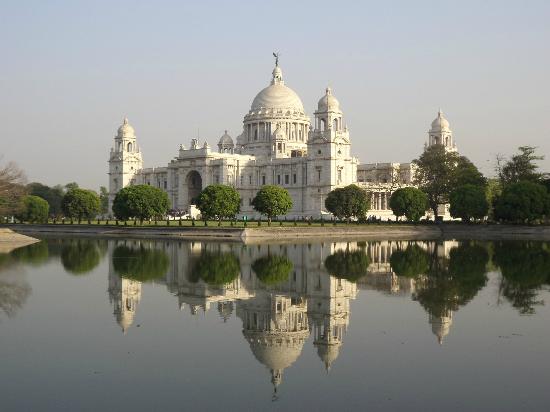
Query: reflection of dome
440	123
441	326
277	95
277	351
328	354
125	130
328	102
125	320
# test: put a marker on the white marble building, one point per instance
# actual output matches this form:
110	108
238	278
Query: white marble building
278	145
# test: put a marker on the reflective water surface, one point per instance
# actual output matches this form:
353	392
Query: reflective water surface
397	325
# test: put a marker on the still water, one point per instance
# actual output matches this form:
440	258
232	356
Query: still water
397	325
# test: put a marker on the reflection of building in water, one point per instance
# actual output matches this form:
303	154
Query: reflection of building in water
124	295
441	325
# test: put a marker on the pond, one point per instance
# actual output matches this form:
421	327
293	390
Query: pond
147	325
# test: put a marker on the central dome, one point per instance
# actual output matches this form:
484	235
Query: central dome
277	95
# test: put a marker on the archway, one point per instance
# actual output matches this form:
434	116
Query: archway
194	186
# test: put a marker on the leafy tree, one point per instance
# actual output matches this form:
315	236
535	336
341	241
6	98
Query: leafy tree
525	267
493	191
103	200
80	256
521	202
216	268
411	262
140	202
272	269
347	202
469	202
346	264
71	186
80	204
143	264
218	201
466	173
34	209
12	189
521	167
53	195
272	201
434	175
409	201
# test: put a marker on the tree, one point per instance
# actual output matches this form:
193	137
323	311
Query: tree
466	173
272	269
142	263
218	201
34	210
216	268
346	264
35	255
469	201
80	204
12	189
71	186
522	202
347	202
272	201
53	195
521	167
103	200
434	175
140	202
410	202
411	262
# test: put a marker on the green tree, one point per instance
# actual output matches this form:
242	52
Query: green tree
346	264
80	256
411	262
347	202
53	195
35	255
435	175
469	201
493	191
140	202
466	173
410	202
218	202
71	186
34	209
80	204
216	268
103	200
521	167
522	202
272	269
141	263
272	201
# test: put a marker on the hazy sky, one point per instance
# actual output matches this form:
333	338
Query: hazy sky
71	70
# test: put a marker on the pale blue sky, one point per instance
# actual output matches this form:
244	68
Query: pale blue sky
71	70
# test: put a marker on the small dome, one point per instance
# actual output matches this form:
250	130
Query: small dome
277	95
328	102
125	130
440	123
279	133
225	140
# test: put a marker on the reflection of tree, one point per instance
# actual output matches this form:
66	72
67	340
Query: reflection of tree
411	262
216	268
13	295
451	283
35	254
525	267
272	269
347	264
80	256
141	264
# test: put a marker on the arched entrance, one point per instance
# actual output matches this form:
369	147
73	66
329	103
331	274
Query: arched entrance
194	186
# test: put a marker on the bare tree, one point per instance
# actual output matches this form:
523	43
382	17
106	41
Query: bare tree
12	188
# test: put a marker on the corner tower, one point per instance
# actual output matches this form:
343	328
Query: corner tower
125	160
441	133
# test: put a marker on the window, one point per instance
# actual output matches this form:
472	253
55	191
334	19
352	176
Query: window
279	147
286	179
263	179
339	175
242	180
294	178
318	174
278	179
319	151
249	179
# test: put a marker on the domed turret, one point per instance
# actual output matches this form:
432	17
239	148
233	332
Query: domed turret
225	144
440	123
328	102
125	130
440	133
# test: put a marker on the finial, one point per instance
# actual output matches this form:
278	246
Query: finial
440	112
276	55
125	120
328	90
226	132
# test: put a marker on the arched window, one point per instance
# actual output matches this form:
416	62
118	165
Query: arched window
129	147
255	134
335	124
323	125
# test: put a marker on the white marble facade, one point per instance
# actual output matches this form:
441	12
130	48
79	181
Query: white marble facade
278	145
